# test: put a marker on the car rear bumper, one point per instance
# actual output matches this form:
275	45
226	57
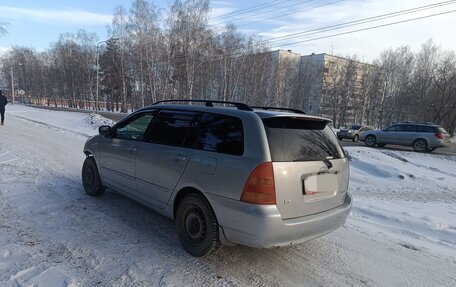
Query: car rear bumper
262	226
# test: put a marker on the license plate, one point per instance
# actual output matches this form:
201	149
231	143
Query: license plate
320	186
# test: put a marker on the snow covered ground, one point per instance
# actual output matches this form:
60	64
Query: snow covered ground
402	230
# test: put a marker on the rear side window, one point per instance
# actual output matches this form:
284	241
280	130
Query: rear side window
427	129
173	128
301	139
220	133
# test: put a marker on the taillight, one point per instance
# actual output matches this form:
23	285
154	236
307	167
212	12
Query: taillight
260	188
439	135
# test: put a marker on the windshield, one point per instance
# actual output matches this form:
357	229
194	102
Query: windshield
355	127
301	139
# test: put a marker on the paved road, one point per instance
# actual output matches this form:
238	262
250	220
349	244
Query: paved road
450	150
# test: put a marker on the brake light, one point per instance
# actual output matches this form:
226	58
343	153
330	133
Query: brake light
439	135
260	187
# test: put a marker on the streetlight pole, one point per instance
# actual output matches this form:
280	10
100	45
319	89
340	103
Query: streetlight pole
12	84
98	67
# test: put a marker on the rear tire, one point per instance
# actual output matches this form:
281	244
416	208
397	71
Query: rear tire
197	226
420	145
370	140
355	138
91	178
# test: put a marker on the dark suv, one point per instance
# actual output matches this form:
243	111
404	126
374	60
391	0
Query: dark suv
422	137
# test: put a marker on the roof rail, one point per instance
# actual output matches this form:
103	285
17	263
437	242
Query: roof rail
279	109
208	103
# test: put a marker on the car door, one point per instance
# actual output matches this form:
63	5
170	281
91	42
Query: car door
119	151
389	135
407	134
162	158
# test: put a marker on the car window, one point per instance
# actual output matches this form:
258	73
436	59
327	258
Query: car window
408	128
301	139
173	128
134	128
220	133
427	129
393	128
355	127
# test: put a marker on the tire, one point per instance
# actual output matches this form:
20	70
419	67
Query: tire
370	140
340	139
420	145
381	145
355	138
91	178
197	226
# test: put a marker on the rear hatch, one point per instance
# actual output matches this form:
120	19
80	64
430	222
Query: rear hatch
310	168
446	136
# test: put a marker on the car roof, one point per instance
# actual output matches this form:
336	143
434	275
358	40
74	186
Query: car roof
231	111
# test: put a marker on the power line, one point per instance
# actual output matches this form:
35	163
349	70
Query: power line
358	22
373	27
249	9
264	12
239	54
288	14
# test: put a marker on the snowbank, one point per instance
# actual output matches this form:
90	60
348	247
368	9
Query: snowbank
410	197
80	123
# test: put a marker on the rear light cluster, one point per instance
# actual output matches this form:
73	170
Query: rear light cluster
260	187
439	135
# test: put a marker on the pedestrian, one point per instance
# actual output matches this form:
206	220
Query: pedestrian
3	103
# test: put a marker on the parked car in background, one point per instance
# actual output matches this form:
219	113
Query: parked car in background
226	175
422	137
353	132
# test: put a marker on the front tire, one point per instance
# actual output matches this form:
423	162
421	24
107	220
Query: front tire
91	178
370	140
355	138
420	145
197	226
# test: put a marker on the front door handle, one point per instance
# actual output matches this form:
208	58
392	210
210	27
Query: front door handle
132	149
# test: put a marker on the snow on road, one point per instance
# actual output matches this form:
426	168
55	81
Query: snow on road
401	231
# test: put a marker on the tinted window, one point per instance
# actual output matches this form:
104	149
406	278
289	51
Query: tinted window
408	128
355	127
301	139
220	133
427	129
173	128
134	128
393	128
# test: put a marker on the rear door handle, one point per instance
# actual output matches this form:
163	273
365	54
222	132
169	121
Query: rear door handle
179	157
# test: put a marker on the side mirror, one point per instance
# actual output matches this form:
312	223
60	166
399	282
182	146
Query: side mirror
104	130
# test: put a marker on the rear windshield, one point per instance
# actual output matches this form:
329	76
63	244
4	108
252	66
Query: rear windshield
301	139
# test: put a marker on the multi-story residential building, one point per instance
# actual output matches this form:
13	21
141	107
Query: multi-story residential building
325	85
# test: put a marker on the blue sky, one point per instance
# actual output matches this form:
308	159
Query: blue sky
36	24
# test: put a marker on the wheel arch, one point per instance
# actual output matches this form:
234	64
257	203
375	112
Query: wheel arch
182	193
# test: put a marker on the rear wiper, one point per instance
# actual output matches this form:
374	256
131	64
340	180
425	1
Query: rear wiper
325	160
328	163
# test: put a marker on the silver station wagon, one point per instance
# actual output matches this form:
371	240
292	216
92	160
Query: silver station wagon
226	172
